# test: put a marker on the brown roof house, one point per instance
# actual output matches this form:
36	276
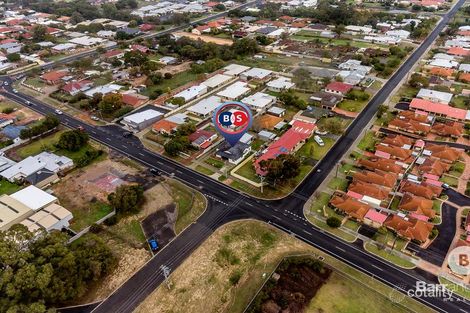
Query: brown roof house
350	206
443	152
421	189
449	129
370	190
395	152
409	228
418	205
378	177
434	167
376	163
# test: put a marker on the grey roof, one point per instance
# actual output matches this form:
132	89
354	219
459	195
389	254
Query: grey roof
232	153
266	30
39	176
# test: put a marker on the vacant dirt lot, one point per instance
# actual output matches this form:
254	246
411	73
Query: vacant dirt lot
219	41
175	69
96	181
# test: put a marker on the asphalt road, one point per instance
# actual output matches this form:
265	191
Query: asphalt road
227	204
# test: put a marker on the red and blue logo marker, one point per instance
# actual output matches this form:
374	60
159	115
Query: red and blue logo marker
232	120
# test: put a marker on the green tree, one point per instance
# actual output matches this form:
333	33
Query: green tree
418	81
135	58
186	129
333	126
333	222
39	32
176	145
110	103
245	46
127	199
281	169
13	57
72	140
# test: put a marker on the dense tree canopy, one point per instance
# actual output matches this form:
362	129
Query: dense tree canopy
72	140
282	168
39	273
127	199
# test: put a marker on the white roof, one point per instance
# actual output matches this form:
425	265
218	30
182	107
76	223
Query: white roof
206	105
87	41
33	197
398	33
178	118
444	56
444	63
5	163
278	32
234	91
142	116
235	69
443	97
259	100
216	80
464	67
105	89
33	164
191	92
276	110
258	73
64	46
267	134
167	59
281	83
246	138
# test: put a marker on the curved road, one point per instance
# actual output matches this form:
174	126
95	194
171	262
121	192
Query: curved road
227	204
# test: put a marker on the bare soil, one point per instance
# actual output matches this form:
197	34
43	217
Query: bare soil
205	38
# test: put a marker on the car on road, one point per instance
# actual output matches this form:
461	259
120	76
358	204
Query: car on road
28	102
58	112
5	83
80	128
153	244
155	172
94	118
126	134
15	91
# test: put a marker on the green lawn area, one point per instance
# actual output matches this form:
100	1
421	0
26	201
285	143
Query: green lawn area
85	217
204	170
39	145
215	162
389	257
457	169
346	168
451	181
352	225
461	291
256	144
338	184
35	82
303	95
248	171
355	297
8	188
324	120
367	142
352	105
311	149
190	204
459	102
176	81
128	230
277	62
406	91
335	231
320	201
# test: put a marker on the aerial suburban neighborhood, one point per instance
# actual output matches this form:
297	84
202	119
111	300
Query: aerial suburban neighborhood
267	156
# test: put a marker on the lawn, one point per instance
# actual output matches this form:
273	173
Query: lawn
204	170
85	217
457	169
39	145
190	204
320	201
215	162
177	80
35	82
256	144
352	105
368	142
346	168
461	291
312	150
451	181
460	102
338	232
389	257
406	91
8	188
248	171
355	297
338	184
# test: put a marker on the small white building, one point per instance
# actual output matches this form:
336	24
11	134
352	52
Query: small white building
235	91
192	92
444	63
235	69
141	120
217	81
256	73
434	95
205	107
259	101
399	33
280	84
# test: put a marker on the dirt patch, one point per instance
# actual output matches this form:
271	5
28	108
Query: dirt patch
291	287
160	225
96	181
175	69
219	41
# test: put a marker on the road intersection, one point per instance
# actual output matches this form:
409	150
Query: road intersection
226	204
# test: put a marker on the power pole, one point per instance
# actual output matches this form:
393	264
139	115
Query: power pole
262	183
166	272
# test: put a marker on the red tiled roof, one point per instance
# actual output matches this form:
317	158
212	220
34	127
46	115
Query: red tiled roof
54	75
200	133
375	216
438	108
458	51
134	100
112	53
465	77
350	206
339	87
440	71
381	164
73	86
298	133
164	126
